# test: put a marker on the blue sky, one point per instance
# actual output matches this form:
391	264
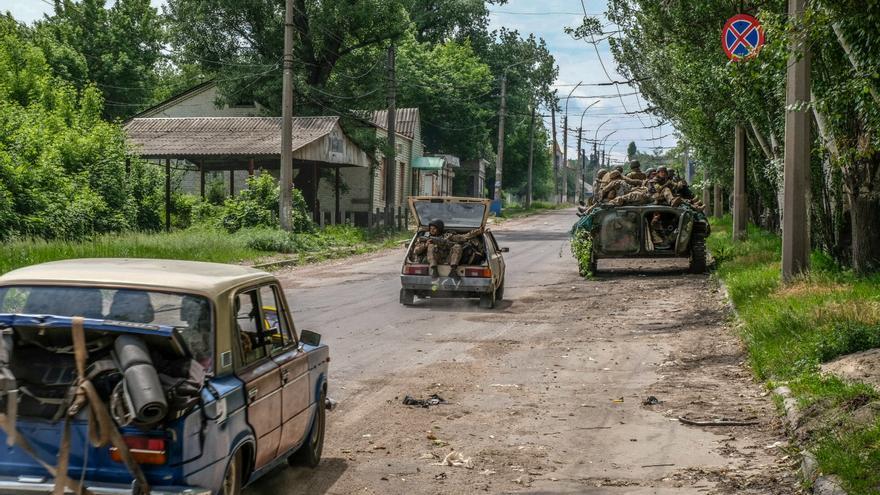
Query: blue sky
577	61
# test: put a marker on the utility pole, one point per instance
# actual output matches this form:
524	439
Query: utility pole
564	167
578	192
286	165
531	157
553	152
499	160
391	126
795	221
740	204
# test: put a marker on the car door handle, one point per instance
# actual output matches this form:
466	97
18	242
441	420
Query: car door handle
252	394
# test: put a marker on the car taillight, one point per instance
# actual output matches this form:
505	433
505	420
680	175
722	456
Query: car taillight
415	270
144	450
482	272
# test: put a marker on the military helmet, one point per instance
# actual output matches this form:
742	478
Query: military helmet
634	165
601	173
437	223
650	171
662	168
619	168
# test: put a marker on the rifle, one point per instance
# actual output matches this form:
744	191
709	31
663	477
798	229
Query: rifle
435	239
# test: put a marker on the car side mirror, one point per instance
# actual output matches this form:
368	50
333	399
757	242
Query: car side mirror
309	337
505	250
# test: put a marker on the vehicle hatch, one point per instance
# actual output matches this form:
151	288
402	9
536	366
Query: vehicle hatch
456	213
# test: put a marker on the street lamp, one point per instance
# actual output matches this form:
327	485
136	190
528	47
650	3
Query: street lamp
564	190
581	162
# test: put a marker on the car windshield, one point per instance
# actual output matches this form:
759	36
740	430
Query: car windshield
454	215
190	314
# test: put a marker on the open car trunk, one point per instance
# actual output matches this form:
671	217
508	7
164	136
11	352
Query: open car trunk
456	213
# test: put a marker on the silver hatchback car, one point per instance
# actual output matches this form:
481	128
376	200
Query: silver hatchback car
480	273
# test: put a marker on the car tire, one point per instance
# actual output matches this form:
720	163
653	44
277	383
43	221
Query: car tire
232	479
499	292
309	454
487	301
698	252
407	297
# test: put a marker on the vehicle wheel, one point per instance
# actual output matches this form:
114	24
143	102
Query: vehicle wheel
499	292
698	253
407	297
487	301
310	452
232	479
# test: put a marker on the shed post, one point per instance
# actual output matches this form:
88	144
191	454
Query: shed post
232	182
167	195
337	212
202	180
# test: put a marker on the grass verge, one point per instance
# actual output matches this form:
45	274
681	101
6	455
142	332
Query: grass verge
204	244
519	211
790	330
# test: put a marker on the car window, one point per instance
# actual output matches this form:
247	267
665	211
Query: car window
189	314
277	330
249	325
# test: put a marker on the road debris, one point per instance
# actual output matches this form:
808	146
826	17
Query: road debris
432	400
456	459
717	422
651	401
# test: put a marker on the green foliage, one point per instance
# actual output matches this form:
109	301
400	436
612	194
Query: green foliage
215	191
257	206
116	48
62	169
582	249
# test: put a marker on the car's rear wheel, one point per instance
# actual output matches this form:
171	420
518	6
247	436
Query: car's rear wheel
487	301
232	480
407	297
698	251
310	452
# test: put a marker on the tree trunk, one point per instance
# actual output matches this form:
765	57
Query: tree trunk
863	184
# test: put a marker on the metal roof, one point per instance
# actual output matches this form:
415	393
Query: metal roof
221	136
407	121
171	275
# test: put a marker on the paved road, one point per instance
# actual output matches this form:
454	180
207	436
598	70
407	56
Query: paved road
545	391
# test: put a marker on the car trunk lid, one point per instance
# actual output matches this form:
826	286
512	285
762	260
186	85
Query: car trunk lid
456	213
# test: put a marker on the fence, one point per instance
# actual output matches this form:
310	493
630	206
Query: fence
398	218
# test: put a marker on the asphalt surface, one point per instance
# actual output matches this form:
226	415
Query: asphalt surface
546	392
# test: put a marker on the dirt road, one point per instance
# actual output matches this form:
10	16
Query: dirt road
546	392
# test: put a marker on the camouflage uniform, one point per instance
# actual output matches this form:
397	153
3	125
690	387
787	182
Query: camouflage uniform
451	250
636	174
658	233
638	196
662	193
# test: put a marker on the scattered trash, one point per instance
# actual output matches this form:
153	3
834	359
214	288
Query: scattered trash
774	445
487	472
433	400
441	476
505	385
651	401
456	459
427	455
717	422
618	400
658	465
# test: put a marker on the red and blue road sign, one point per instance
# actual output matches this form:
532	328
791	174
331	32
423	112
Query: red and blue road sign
742	37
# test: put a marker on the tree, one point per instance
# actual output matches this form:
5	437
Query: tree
631	150
119	46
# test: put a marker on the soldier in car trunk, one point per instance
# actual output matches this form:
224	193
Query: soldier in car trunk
443	247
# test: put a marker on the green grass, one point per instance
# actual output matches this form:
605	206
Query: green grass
203	244
790	330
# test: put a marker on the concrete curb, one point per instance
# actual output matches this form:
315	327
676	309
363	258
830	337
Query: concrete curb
821	484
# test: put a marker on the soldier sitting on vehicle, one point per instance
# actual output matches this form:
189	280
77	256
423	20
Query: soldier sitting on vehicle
617	185
661	189
443	247
636	171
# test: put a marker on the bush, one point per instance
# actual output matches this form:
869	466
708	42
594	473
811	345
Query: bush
215	191
581	248
257	206
182	206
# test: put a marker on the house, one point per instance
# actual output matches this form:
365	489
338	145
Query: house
434	175
472	178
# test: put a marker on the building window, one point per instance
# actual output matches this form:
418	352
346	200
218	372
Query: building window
335	142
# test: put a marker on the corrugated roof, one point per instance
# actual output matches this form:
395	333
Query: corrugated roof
407	120
221	136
